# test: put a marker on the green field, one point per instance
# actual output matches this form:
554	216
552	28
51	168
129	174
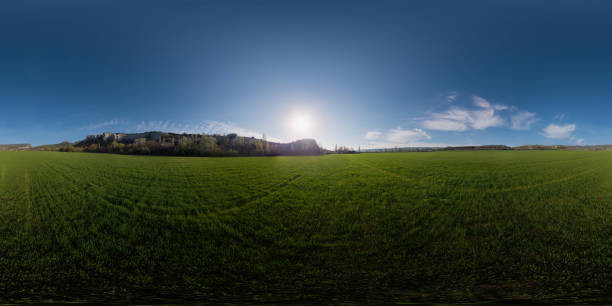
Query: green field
439	226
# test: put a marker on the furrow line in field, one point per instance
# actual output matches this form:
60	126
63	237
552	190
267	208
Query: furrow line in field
509	189
69	179
3	184
526	187
3	175
555	181
278	188
33	223
5	203
271	190
47	195
384	171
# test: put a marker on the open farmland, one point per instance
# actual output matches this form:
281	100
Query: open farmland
444	226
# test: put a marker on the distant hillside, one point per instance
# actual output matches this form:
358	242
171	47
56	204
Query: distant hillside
162	143
564	147
492	147
52	147
431	149
541	147
15	147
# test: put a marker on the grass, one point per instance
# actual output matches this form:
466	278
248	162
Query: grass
440	226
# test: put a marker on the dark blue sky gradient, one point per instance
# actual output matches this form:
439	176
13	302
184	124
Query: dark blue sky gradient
72	68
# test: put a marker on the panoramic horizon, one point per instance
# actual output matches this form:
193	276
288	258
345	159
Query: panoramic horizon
418	74
274	152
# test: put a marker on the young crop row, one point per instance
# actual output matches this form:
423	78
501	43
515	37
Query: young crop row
444	225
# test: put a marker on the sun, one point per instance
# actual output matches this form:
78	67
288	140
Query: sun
301	124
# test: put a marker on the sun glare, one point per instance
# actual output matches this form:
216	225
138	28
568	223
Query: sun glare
301	124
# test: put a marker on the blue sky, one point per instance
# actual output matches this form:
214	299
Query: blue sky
375	73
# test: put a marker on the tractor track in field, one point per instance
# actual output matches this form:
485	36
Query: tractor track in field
3	183
530	186
65	176
508	189
46	193
103	198
80	185
550	182
277	188
109	200
34	222
3	174
273	189
384	171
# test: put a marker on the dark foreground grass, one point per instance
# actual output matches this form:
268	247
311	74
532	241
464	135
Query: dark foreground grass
443	226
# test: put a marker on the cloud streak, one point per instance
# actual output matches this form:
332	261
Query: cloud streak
482	116
523	120
99	125
399	137
418	144
207	127
459	119
451	97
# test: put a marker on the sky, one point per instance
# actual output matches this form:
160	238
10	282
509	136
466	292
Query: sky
361	74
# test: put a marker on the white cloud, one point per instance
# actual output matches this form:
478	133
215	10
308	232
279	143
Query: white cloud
372	135
559	131
523	120
486	118
456	114
480	102
445	125
398	135
459	120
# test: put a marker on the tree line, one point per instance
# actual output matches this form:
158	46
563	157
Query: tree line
158	143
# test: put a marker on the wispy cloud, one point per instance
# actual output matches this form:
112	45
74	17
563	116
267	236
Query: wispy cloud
483	115
207	127
481	102
399	137
417	144
441	124
523	120
555	131
451	96
560	116
460	119
100	125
